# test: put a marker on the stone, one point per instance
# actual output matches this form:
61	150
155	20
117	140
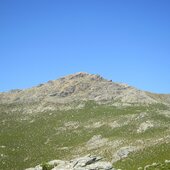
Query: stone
56	162
96	141
123	153
88	162
144	126
100	165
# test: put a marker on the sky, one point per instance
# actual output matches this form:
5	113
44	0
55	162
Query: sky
123	40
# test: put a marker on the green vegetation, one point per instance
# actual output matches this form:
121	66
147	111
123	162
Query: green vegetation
46	166
30	139
154	157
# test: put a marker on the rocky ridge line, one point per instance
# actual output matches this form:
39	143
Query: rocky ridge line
78	87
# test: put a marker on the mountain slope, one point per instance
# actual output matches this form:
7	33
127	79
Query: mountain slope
78	87
81	114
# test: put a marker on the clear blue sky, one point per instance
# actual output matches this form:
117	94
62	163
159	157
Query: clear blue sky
123	40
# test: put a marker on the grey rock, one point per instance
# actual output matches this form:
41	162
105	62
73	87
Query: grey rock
68	91
53	94
123	153
87	162
96	141
38	167
100	165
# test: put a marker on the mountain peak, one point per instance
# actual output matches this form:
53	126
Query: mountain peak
80	75
78	87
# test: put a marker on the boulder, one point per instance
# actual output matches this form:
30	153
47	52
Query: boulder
87	162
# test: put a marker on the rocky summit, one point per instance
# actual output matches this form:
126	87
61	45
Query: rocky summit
84	114
78	87
72	90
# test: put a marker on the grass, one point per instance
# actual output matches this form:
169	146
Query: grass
155	154
32	139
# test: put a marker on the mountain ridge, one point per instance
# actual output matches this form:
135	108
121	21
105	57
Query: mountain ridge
77	87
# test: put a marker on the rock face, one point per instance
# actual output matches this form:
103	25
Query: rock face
88	162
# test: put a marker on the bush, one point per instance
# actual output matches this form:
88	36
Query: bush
46	166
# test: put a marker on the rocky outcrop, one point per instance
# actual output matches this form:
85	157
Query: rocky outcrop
144	126
79	87
87	162
123	153
96	142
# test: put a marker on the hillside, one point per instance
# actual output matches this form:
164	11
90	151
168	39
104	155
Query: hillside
78	87
83	114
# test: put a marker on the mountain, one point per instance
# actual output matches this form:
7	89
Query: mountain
80	87
82	114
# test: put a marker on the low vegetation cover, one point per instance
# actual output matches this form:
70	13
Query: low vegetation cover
27	140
